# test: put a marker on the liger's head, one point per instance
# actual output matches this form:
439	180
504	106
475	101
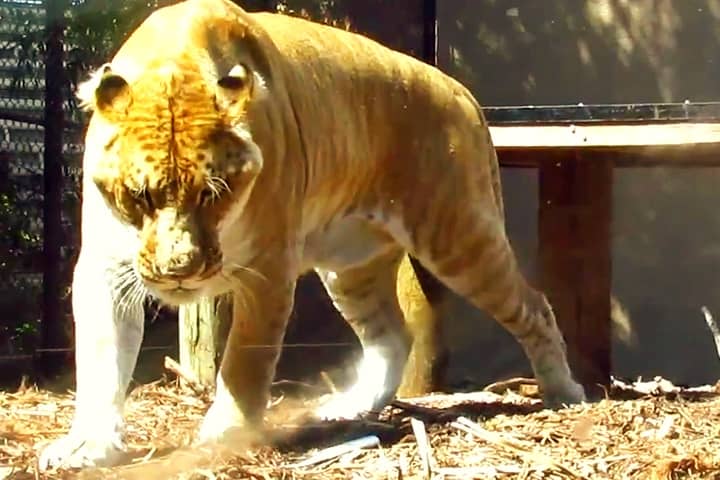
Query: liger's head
177	163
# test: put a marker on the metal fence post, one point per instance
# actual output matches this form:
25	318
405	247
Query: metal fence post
51	329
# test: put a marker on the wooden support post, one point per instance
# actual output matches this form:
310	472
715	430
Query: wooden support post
202	333
575	257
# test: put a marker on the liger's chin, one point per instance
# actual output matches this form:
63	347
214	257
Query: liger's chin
178	297
173	292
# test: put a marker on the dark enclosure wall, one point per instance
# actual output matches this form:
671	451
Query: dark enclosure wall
666	227
519	52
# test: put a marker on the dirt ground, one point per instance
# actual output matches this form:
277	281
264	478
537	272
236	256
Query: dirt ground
645	430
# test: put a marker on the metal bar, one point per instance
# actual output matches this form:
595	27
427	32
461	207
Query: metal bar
430	32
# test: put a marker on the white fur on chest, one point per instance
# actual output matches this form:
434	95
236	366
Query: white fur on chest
343	243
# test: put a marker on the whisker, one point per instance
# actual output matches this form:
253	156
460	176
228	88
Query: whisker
127	289
217	185
242	268
156	309
241	292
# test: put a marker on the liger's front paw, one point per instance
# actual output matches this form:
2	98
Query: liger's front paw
569	393
81	451
224	424
346	406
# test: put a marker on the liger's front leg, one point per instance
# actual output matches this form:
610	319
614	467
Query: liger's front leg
261	308
108	334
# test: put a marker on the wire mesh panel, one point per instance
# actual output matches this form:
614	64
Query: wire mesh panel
23	258
21	149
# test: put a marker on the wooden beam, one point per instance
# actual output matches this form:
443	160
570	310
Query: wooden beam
575	215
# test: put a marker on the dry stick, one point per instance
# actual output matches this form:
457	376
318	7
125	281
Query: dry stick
468	426
424	448
510	384
188	377
336	451
328	381
419	409
713	327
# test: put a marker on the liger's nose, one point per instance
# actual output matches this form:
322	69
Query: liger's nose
181	266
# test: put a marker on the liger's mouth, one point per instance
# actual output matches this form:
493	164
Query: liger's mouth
177	295
184	290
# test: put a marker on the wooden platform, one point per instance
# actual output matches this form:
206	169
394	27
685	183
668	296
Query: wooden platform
576	163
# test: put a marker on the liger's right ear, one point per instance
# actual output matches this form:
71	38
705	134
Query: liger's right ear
238	86
105	92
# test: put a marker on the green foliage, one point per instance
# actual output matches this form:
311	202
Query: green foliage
19	245
314	9
97	28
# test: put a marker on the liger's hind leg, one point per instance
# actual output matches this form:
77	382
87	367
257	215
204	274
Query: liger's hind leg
469	251
366	298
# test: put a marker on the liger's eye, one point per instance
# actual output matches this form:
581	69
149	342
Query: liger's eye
144	199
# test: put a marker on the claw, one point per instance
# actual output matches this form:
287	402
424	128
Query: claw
75	451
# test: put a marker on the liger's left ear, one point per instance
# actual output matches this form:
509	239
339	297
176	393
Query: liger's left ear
239	86
105	92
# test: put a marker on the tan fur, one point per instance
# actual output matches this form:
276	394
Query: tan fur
343	135
422	321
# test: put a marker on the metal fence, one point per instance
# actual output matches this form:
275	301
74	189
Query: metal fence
27	45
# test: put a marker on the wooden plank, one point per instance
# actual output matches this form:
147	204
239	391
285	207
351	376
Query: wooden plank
625	144
605	135
575	215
